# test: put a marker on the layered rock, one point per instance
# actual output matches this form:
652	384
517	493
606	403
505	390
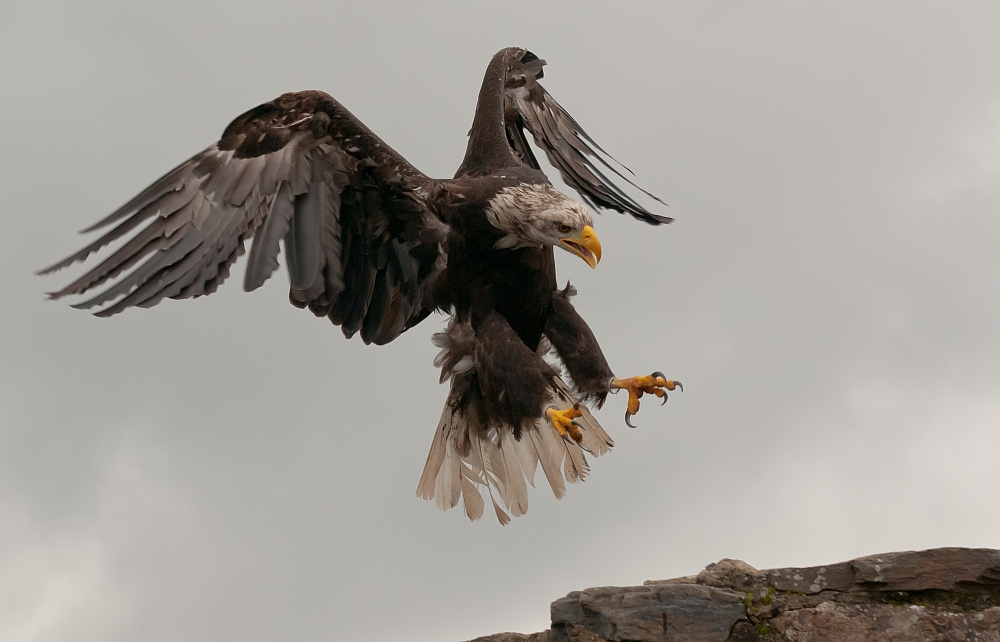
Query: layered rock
939	595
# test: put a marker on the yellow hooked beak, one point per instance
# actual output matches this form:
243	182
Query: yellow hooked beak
584	244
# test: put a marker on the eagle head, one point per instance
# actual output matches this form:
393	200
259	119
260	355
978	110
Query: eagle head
540	215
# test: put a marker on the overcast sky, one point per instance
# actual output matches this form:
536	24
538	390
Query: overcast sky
231	468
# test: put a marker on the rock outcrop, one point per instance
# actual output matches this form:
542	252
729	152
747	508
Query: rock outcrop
942	595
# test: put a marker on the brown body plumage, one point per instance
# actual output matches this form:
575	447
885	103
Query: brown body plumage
375	245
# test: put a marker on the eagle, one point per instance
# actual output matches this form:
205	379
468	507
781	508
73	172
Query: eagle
376	246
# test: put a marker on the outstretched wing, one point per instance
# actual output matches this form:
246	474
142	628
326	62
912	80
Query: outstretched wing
581	161
362	245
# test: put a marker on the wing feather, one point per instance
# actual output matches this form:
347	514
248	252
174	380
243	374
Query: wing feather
569	148
263	259
245	182
300	171
302	239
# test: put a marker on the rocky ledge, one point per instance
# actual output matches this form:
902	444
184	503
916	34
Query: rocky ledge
942	594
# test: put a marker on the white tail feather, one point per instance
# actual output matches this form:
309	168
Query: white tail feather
527	455
516	496
470	494
551	450
425	487
466	456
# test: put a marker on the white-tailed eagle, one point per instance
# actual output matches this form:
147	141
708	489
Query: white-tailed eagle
375	245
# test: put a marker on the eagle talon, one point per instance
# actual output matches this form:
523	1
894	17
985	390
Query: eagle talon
564	421
655	384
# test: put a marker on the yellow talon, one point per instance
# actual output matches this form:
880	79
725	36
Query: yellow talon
655	384
562	421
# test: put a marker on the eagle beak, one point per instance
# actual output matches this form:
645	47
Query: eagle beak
584	244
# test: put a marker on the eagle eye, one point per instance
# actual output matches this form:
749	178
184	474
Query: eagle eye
563	228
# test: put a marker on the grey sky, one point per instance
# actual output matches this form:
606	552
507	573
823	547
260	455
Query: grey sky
232	468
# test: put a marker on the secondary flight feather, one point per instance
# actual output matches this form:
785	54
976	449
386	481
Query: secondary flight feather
375	245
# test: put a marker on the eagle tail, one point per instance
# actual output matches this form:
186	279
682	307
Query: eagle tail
468	457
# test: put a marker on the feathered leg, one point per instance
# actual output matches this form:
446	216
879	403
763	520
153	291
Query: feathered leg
575	343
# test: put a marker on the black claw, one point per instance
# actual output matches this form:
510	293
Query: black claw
679	385
627	422
659	374
664	399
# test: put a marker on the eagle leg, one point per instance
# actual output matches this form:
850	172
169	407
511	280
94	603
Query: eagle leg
655	384
564	421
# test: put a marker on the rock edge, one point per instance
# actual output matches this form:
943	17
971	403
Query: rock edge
940	594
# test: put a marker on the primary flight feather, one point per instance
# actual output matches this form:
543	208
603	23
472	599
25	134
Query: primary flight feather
376	246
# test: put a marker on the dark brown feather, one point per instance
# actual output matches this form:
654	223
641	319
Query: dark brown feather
577	348
569	148
279	172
